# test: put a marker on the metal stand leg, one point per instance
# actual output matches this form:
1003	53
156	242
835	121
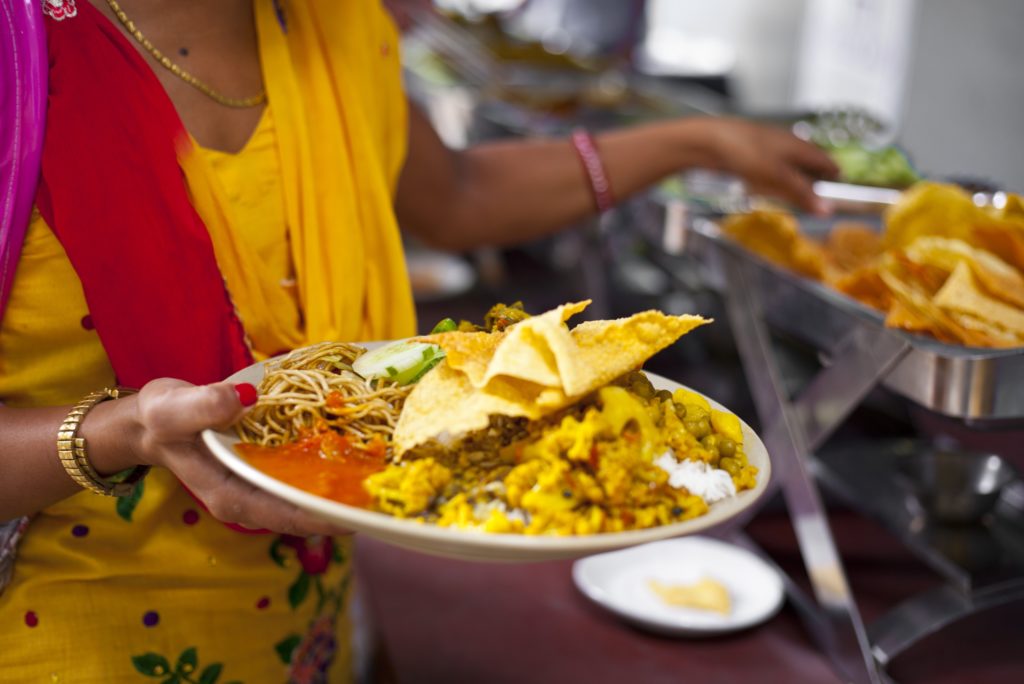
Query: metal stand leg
790	431
927	613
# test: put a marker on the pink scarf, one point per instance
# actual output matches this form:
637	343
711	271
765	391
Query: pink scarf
23	72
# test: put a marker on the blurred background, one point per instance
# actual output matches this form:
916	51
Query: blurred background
898	89
953	91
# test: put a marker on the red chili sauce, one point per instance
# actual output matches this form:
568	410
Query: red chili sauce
326	464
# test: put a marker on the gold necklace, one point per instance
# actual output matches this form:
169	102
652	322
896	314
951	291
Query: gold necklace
160	57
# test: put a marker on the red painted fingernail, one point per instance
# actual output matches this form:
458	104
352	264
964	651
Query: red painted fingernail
247	393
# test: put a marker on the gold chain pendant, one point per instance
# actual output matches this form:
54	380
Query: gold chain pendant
165	62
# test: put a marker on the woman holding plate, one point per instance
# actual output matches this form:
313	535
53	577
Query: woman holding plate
217	183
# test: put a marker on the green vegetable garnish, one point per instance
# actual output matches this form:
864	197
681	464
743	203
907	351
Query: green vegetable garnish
445	325
884	167
403	362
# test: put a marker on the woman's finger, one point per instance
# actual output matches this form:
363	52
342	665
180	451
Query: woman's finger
811	158
173	410
239	502
172	413
788	183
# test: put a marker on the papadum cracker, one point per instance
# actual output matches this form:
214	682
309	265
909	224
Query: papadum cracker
607	349
998	278
776	236
536	350
918	307
473	352
962	294
930	209
535	368
445	405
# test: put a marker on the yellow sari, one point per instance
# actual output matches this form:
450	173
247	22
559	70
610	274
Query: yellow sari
153	588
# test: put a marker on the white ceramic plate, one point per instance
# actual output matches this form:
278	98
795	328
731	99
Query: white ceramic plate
481	546
619	580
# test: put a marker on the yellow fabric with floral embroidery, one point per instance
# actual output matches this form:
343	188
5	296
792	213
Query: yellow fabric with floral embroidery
132	590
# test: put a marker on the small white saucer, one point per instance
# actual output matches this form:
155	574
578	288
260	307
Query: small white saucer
619	581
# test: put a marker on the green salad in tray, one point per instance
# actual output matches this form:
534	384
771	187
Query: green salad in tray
885	166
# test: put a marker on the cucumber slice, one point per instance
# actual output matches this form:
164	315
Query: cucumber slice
402	362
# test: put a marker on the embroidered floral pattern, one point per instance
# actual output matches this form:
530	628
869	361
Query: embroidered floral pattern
314	555
59	10
310	657
314	655
185	670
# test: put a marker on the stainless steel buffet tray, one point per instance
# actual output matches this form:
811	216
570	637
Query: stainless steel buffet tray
980	386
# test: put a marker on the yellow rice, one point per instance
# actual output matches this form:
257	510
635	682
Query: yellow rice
585	470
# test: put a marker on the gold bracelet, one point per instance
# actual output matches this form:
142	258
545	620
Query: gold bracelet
74	455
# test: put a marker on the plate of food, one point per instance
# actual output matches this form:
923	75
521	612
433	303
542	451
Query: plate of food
692	587
526	441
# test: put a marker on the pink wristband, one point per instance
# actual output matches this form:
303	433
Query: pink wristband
600	186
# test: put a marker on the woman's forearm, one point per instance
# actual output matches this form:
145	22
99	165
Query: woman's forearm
32	476
513	191
530	189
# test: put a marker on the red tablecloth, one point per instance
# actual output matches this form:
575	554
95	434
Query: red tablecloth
451	621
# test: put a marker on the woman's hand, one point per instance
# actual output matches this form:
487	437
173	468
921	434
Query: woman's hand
170	414
771	160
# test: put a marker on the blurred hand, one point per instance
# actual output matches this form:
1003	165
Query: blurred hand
170	416
771	160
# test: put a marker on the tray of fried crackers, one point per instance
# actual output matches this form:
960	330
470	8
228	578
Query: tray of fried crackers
940	270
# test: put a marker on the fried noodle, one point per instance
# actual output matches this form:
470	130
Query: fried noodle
315	389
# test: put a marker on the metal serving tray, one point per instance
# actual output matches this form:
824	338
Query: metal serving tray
979	386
